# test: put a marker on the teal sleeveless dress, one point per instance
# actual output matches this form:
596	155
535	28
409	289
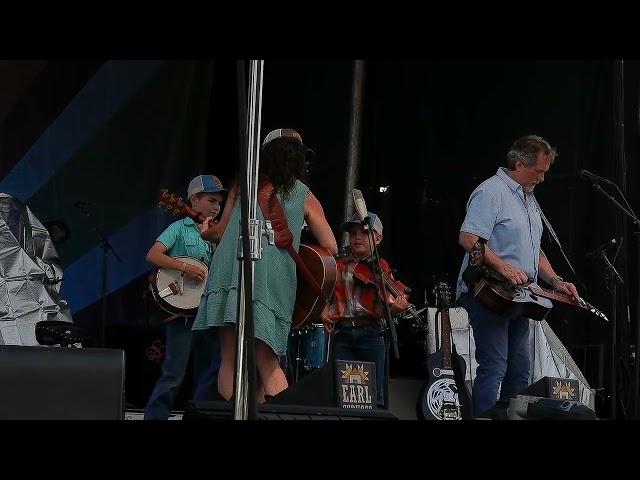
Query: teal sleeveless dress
274	280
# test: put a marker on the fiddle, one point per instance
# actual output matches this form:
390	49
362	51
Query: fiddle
363	271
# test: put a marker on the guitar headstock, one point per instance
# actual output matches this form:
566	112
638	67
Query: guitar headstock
175	205
172	203
443	294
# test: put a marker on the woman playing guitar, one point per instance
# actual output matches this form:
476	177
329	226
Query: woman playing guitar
282	164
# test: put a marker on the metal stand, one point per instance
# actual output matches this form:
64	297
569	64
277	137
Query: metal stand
106	248
250	240
612	278
387	313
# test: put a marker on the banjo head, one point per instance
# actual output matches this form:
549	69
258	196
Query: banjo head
187	299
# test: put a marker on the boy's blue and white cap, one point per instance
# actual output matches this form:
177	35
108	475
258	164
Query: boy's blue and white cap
205	184
374	221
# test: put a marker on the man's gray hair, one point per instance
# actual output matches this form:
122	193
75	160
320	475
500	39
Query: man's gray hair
527	148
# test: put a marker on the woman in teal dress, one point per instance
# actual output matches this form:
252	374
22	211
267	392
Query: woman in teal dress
282	160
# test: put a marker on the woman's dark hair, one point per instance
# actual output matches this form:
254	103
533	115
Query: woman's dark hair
283	162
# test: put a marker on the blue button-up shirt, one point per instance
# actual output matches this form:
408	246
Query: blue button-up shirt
500	212
182	238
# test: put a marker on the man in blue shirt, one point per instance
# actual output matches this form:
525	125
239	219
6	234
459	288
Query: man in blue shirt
503	212
182	238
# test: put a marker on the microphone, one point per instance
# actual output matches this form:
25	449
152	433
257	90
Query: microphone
592	176
359	204
602	248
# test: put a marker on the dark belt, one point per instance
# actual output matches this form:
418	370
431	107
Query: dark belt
356	322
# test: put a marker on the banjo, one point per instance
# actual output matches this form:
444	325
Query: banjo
176	293
172	290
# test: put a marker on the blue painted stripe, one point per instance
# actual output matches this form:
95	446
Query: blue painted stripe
82	283
103	96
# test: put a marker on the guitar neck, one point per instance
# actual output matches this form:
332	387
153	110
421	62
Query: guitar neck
560	297
175	205
193	215
445	338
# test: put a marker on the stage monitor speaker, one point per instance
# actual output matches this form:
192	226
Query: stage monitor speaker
53	383
553	387
524	407
317	388
200	410
553	409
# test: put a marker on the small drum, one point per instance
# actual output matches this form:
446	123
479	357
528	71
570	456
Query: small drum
308	349
315	346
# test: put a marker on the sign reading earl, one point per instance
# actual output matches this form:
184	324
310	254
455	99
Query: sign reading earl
356	384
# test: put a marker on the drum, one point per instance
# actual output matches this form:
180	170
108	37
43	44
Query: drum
308	349
315	346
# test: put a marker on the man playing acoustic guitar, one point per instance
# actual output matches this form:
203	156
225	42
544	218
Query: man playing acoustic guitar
182	238
503	212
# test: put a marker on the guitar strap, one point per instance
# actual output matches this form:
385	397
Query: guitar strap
172	317
272	210
471	274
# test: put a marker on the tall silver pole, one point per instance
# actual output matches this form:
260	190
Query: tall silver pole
241	390
357	92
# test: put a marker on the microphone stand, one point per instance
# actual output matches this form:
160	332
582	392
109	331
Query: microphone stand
106	247
387	312
613	277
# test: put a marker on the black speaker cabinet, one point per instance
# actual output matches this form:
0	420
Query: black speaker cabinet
53	383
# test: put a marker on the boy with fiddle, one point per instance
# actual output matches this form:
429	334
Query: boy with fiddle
355	314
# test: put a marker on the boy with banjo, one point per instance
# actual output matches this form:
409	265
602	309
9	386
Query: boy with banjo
181	253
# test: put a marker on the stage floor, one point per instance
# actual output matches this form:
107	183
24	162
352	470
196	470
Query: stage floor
139	415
